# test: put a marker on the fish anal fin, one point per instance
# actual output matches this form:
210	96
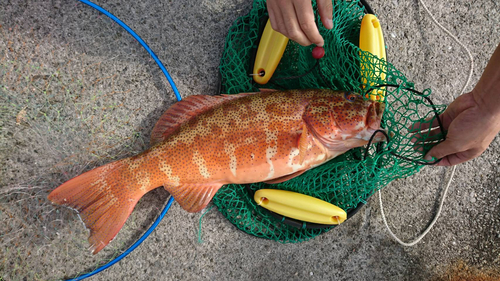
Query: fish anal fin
182	111
285	178
193	197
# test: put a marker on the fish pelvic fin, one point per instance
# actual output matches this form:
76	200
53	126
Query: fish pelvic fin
104	198
193	197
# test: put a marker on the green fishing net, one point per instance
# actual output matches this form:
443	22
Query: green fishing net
350	179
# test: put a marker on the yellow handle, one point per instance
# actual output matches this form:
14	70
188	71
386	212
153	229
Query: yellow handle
271	48
299	206
371	40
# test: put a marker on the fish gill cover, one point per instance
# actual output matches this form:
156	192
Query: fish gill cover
351	178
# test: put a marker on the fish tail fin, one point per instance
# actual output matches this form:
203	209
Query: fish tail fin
104	198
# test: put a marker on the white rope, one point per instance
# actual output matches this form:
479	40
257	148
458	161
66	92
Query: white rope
471	69
432	223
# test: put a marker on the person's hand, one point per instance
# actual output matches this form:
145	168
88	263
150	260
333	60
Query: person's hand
295	19
470	128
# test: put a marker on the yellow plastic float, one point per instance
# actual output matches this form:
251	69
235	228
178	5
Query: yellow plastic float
271	48
299	206
371	40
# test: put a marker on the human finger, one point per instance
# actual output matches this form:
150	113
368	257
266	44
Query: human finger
272	15
429	136
426	124
425	147
443	149
305	17
325	10
419	147
292	27
458	158
446	161
275	17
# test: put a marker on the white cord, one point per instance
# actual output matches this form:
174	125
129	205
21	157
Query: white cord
432	223
471	69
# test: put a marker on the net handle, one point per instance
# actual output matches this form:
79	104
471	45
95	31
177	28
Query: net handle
434	109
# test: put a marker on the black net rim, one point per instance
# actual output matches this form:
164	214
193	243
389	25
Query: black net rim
237	203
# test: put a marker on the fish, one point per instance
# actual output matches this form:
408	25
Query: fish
204	142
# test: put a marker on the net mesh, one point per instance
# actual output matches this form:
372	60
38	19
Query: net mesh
353	177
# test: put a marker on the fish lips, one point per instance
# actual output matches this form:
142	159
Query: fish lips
374	115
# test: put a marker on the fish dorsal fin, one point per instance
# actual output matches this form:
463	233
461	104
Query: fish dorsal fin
183	111
193	197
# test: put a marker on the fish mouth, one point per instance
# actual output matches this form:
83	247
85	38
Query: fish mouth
378	135
374	116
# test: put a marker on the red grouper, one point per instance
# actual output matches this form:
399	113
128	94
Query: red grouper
204	142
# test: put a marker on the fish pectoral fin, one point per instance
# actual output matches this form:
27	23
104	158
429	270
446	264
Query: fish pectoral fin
193	197
285	178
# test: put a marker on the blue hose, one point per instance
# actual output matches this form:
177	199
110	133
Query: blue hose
129	250
178	96
122	24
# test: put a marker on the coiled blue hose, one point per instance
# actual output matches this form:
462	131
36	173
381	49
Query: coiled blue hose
178	96
122	24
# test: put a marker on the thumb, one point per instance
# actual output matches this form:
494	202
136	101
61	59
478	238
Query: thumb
325	10
441	150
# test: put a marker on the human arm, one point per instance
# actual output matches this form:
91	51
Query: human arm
295	19
472	120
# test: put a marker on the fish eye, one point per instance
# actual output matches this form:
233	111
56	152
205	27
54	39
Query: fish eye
350	96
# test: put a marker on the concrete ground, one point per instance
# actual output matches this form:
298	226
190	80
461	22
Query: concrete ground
77	91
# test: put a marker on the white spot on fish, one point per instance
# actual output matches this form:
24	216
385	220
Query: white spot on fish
271	136
233	163
271	170
249	140
294	153
144	182
270	153
364	135
132	165
202	164
320	158
175	181
167	170
360	125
